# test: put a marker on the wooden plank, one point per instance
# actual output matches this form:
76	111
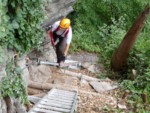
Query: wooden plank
65	93
65	98
71	92
80	76
56	101
61	100
54	108
59	105
65	103
39	110
61	95
62	91
74	105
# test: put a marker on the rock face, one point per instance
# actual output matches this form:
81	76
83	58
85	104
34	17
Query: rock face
5	54
55	10
40	73
2	74
3	63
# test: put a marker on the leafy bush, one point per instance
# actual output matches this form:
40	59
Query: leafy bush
110	36
21	21
20	30
4	22
90	14
13	85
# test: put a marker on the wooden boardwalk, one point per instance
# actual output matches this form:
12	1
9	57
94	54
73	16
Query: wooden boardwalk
57	101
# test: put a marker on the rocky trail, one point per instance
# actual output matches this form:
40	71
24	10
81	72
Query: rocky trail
94	95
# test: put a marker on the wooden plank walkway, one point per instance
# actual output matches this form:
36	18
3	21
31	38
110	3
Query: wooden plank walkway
57	101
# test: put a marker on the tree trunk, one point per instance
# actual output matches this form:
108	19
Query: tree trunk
120	55
9	104
33	91
81	76
40	86
41	95
47	86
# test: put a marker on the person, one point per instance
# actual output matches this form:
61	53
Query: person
61	36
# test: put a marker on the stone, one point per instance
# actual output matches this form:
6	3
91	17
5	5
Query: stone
34	99
86	65
3	63
40	73
22	64
103	86
57	9
3	108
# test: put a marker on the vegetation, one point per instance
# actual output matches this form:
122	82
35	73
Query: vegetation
99	26
13	85
20	30
20	24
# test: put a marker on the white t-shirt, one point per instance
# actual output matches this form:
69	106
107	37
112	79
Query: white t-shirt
62	33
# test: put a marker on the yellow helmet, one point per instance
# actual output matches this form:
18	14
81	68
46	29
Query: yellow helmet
65	23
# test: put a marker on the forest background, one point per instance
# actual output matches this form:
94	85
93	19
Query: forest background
98	27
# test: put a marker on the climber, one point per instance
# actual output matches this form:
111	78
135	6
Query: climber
61	36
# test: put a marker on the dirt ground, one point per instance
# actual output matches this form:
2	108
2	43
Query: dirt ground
89	101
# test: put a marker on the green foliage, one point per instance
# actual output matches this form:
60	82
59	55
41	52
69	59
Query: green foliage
139	60
20	24
138	87
13	85
20	29
1	55
111	36
89	15
4	22
100	25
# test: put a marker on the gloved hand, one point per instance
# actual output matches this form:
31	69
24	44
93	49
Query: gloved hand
48	28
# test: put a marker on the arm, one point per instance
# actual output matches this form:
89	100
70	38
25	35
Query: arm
50	32
68	41
66	49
